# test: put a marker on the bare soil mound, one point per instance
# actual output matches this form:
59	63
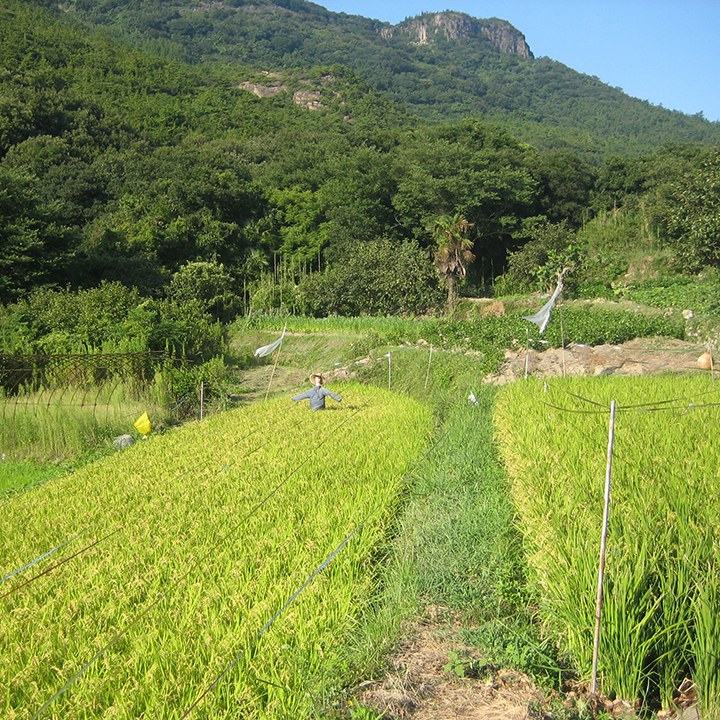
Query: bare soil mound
643	356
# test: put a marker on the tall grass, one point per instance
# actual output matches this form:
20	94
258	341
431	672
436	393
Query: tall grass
15	477
62	421
208	531
664	546
66	422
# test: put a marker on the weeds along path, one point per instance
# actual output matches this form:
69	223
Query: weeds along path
193	542
456	583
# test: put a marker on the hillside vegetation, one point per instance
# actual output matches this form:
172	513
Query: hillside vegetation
211	202
440	66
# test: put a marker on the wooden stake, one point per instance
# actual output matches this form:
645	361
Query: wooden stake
603	546
712	366
427	375
527	351
202	398
562	339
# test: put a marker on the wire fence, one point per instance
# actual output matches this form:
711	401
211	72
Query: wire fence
41	382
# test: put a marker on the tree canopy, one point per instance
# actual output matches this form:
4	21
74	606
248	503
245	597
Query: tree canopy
123	164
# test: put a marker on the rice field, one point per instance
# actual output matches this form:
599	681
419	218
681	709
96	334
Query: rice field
214	571
661	609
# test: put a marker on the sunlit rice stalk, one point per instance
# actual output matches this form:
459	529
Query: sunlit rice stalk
219	523
706	650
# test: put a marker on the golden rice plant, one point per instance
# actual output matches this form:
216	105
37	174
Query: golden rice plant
203	536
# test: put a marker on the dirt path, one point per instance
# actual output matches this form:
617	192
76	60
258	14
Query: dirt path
419	686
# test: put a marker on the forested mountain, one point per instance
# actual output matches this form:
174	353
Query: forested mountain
117	165
210	179
441	67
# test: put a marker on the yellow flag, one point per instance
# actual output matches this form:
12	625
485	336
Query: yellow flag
143	424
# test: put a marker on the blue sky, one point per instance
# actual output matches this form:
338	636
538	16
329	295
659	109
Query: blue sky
663	51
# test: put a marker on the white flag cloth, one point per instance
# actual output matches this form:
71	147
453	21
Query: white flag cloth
542	317
266	350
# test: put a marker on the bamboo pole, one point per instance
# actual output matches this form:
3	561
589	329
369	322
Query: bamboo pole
603	547
277	357
202	397
527	351
272	374
427	375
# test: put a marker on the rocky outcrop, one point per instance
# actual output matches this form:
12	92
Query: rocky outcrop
506	38
459	26
310	97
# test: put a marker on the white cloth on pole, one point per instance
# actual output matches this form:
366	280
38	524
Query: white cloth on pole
266	350
542	317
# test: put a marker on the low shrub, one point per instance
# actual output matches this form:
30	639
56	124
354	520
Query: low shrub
700	294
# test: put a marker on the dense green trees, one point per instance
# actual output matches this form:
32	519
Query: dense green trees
118	166
693	225
33	241
110	318
376	277
552	247
480	172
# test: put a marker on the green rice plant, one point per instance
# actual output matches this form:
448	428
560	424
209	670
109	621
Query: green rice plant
663	538
705	648
629	628
192	544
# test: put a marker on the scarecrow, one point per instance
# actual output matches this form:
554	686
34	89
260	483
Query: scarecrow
317	393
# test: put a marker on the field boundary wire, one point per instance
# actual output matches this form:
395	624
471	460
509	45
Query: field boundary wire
643	407
176	477
193	566
62	562
49	552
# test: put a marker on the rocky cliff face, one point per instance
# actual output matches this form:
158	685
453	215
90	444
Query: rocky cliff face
459	26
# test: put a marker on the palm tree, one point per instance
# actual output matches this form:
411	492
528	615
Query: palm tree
452	253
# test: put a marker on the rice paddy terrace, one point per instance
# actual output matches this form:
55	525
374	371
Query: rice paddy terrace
213	571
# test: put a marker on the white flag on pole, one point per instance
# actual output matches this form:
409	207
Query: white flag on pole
266	350
542	317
